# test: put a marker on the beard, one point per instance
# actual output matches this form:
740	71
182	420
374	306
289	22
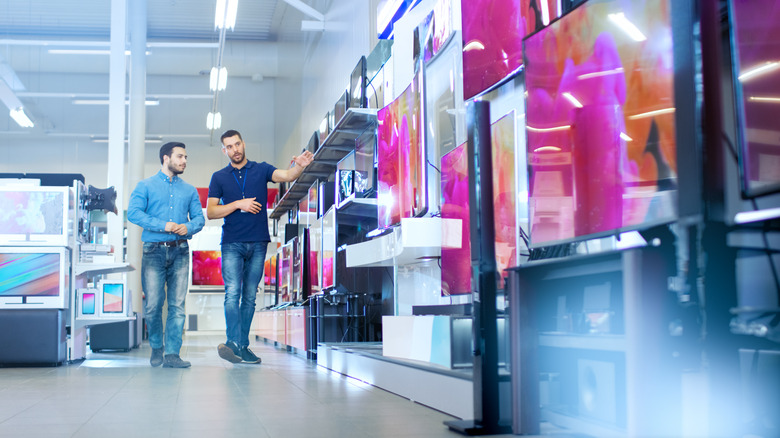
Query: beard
174	170
237	158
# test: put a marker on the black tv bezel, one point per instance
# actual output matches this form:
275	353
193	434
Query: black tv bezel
747	191
371	192
360	70
689	131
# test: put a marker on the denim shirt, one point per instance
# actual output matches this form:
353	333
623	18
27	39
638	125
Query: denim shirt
158	200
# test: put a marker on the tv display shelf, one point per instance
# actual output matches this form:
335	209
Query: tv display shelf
336	146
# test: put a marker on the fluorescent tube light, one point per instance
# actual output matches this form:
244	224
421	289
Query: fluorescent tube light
150	102
225	14
21	118
214	120
218	78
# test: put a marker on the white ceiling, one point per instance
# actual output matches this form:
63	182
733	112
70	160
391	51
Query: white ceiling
176	73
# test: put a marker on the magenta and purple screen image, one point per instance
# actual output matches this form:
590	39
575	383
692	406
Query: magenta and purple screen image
207	268
600	121
31	212
755	33
400	168
29	274
456	243
493	32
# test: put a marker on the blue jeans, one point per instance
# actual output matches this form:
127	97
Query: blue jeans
161	266
242	270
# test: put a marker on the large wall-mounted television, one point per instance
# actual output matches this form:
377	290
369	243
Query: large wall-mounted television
756	65
602	120
34	215
401	164
34	277
456	241
207	269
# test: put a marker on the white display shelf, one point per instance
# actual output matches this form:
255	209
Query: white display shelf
414	241
336	146
101	268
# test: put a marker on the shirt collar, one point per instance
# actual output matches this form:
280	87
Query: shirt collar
248	164
164	177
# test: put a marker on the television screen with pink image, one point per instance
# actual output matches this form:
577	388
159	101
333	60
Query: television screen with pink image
502	137
113	297
207	268
400	158
600	124
755	53
456	231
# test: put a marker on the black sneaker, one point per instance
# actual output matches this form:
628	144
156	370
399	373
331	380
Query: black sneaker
174	361
248	357
229	351
157	357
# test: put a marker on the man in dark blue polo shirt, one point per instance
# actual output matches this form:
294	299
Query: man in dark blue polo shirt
168	209
238	193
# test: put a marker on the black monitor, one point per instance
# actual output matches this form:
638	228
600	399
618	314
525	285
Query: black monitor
357	85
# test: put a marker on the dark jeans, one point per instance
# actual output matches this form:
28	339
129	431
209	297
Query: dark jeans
161	266
242	270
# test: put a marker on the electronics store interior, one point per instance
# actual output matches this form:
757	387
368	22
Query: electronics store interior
452	241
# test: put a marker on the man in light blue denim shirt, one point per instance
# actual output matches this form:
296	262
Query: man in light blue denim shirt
169	211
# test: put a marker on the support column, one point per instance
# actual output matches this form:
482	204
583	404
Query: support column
116	126
136	138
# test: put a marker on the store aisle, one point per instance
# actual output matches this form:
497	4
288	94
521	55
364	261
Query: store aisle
119	395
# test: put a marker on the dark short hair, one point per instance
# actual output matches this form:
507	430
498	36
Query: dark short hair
230	133
167	149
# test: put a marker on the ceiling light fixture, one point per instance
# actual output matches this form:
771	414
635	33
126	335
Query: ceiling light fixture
214	121
21	118
105	102
225	14
218	78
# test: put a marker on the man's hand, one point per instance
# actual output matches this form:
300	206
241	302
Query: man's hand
173	227
304	159
249	205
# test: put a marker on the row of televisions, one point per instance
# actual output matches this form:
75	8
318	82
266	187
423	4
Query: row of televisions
39	277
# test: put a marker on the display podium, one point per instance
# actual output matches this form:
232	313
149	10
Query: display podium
33	337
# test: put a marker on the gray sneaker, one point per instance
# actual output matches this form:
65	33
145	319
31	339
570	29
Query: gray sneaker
157	357
230	352
174	361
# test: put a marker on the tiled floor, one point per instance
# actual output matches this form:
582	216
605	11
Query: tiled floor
119	395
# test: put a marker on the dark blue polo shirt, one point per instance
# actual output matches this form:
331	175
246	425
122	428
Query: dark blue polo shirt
230	184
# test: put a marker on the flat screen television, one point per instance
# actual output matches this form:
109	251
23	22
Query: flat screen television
456	241
502	137
493	32
357	85
114	298
401	165
601	126
756	65
365	164
297	267
314	142
285	272
34	277
207	269
329	249
34	215
315	256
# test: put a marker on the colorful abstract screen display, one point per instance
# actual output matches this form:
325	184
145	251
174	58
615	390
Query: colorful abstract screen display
207	268
113	297
756	60
401	167
88	303
29	274
33	212
502	137
493	32
600	121
456	243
